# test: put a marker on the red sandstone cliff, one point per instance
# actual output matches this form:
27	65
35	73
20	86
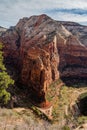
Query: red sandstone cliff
44	50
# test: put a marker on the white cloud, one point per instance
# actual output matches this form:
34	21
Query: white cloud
12	10
70	17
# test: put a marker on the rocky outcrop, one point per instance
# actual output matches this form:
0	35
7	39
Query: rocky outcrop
78	30
45	50
2	30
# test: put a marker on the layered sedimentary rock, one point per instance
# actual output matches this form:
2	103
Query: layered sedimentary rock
45	50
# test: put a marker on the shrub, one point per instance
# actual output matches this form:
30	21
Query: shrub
66	128
5	80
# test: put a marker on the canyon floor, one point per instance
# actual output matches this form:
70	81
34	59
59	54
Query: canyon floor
66	115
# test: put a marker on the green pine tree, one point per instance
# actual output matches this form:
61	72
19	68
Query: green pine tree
5	80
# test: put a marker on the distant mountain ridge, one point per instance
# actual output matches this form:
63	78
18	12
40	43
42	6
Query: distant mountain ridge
2	29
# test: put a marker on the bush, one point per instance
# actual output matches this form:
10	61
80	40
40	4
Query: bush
82	119
66	128
5	80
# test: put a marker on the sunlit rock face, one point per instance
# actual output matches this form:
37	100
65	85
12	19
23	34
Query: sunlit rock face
44	50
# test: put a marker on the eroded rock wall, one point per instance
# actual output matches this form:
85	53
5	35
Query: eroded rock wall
43	50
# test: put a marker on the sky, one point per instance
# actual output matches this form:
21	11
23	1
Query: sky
62	10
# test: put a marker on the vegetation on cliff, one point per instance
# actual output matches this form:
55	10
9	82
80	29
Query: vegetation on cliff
5	80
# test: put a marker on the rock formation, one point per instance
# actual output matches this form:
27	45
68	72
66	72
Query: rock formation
44	50
2	30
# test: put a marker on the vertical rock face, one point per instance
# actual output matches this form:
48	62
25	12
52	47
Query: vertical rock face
36	67
45	50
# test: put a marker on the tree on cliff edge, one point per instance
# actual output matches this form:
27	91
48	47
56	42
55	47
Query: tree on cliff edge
5	80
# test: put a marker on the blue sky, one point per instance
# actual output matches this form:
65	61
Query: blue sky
63	10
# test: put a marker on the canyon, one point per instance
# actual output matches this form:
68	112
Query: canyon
44	50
